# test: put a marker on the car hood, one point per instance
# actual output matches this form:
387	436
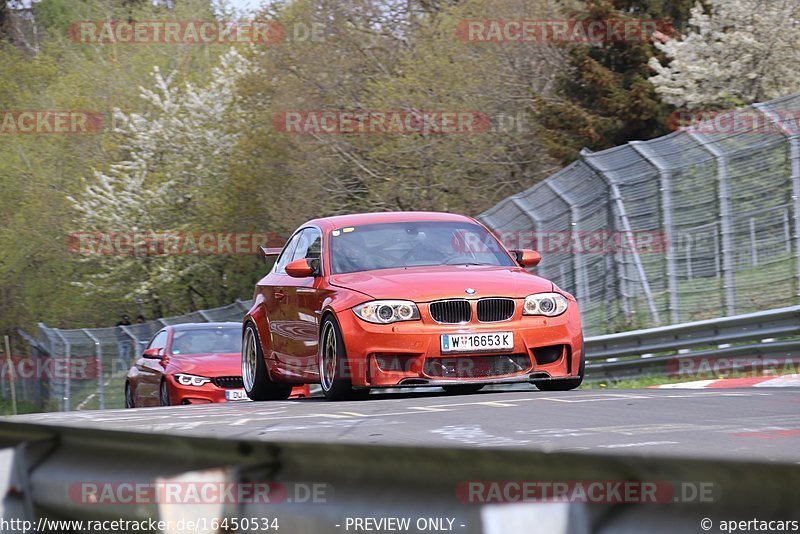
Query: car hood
209	365
424	284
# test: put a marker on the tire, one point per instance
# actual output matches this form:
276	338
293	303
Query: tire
128	396
563	385
163	393
462	389
333	367
255	378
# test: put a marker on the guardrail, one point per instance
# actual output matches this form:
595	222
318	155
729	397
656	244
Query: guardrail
48	468
756	338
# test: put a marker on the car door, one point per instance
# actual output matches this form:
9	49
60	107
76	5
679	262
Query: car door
270	294
150	372
298	309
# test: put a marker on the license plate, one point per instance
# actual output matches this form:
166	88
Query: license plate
236	395
490	341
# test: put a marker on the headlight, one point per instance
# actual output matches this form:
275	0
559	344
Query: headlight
191	380
548	304
387	311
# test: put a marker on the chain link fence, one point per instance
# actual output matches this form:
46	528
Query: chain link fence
86	367
701	223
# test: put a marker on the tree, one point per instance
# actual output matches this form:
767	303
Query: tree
735	53
176	158
604	98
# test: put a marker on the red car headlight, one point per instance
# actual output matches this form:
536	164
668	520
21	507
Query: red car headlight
387	311
191	380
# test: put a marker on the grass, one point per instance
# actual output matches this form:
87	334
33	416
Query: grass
113	391
655	380
771	284
22	407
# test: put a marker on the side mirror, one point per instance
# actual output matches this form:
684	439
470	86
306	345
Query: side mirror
527	258
301	268
153	354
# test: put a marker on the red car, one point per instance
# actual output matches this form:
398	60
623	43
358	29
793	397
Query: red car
387	300
193	363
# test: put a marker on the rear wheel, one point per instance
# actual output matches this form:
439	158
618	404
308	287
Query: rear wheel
334	371
257	383
462	389
128	395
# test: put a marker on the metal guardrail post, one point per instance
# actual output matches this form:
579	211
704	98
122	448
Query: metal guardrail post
67	382
794	157
725	218
619	203
665	177
581	292
98	350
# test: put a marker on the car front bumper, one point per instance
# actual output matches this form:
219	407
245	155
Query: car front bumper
409	354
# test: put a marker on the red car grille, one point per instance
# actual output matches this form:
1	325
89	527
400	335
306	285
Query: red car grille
477	366
228	382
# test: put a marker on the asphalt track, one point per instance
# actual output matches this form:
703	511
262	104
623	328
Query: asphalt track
746	424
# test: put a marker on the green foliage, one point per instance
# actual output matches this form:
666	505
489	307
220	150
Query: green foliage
545	101
605	99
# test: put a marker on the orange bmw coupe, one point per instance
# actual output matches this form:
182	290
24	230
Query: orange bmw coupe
406	299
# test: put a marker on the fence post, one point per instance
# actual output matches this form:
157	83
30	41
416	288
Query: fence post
67	381
581	293
525	208
665	177
98	351
725	219
794	157
204	315
619	204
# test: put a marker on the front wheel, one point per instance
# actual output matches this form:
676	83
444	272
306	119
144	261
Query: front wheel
257	383
128	395
163	393
334	371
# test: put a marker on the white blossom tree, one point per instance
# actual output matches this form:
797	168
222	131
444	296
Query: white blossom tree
176	156
738	52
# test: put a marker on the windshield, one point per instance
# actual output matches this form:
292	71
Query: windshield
414	244
207	341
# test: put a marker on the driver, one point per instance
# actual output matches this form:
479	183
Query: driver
351	253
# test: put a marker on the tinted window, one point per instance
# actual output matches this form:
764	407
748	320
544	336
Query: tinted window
286	255
309	246
413	244
207	341
159	342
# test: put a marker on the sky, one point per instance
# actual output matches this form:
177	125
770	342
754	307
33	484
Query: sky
245	4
